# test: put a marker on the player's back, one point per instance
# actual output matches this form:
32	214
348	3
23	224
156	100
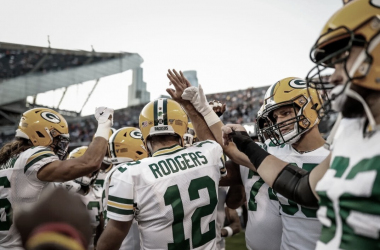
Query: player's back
174	194
19	188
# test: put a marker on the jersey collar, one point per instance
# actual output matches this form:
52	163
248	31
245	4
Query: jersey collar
169	150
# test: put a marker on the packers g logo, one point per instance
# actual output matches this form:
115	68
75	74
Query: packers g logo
297	84
50	117
136	134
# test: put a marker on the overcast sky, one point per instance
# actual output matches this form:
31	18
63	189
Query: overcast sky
231	44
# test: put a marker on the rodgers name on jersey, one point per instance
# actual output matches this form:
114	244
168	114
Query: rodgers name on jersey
350	191
172	196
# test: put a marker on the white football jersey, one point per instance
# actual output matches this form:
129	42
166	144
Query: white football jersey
132	240
100	179
172	195
350	190
92	201
264	225
20	188
221	217
301	228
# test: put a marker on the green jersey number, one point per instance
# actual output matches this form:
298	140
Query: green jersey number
94	204
252	204
355	235
172	197
291	208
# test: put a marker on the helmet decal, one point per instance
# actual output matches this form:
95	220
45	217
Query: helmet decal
160	112
297	84
50	117
136	134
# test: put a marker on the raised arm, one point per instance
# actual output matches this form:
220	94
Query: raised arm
292	182
60	171
180	83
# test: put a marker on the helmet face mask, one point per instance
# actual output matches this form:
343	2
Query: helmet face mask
45	127
60	146
190	137
351	38
326	59
288	131
290	99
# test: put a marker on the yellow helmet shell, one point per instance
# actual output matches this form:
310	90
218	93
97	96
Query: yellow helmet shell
359	18
293	90
41	125
163	117
77	152
126	145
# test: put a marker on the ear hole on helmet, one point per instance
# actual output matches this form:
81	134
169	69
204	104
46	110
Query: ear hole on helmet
40	134
139	152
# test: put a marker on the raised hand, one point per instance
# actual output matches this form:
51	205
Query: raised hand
103	114
218	107
180	83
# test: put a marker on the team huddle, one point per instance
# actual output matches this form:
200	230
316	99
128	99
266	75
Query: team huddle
157	187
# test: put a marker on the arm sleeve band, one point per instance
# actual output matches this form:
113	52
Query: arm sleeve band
246	145
293	183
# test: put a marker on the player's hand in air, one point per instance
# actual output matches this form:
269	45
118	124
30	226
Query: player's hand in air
103	114
218	107
180	83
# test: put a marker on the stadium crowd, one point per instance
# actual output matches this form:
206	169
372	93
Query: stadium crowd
17	62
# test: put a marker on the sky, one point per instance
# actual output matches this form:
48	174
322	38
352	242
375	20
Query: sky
231	44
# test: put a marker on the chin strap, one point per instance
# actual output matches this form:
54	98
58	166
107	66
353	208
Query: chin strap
371	120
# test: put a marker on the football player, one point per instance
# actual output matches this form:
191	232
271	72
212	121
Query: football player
173	193
35	159
125	146
291	123
90	196
347	182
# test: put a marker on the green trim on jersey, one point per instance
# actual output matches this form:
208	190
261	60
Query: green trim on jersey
119	211
27	166
120	200
168	150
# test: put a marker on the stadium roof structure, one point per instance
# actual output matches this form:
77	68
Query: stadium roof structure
28	70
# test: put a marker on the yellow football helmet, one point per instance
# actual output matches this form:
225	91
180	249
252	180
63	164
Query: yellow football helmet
45	127
357	23
292	92
84	180
126	145
190	137
162	117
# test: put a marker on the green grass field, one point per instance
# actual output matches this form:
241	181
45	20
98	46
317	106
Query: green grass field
236	242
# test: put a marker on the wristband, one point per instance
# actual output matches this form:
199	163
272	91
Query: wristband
246	145
229	230
103	130
211	118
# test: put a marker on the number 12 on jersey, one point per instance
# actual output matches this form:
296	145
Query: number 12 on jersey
172	197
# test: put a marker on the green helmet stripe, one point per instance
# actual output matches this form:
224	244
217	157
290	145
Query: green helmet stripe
165	111
155	113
